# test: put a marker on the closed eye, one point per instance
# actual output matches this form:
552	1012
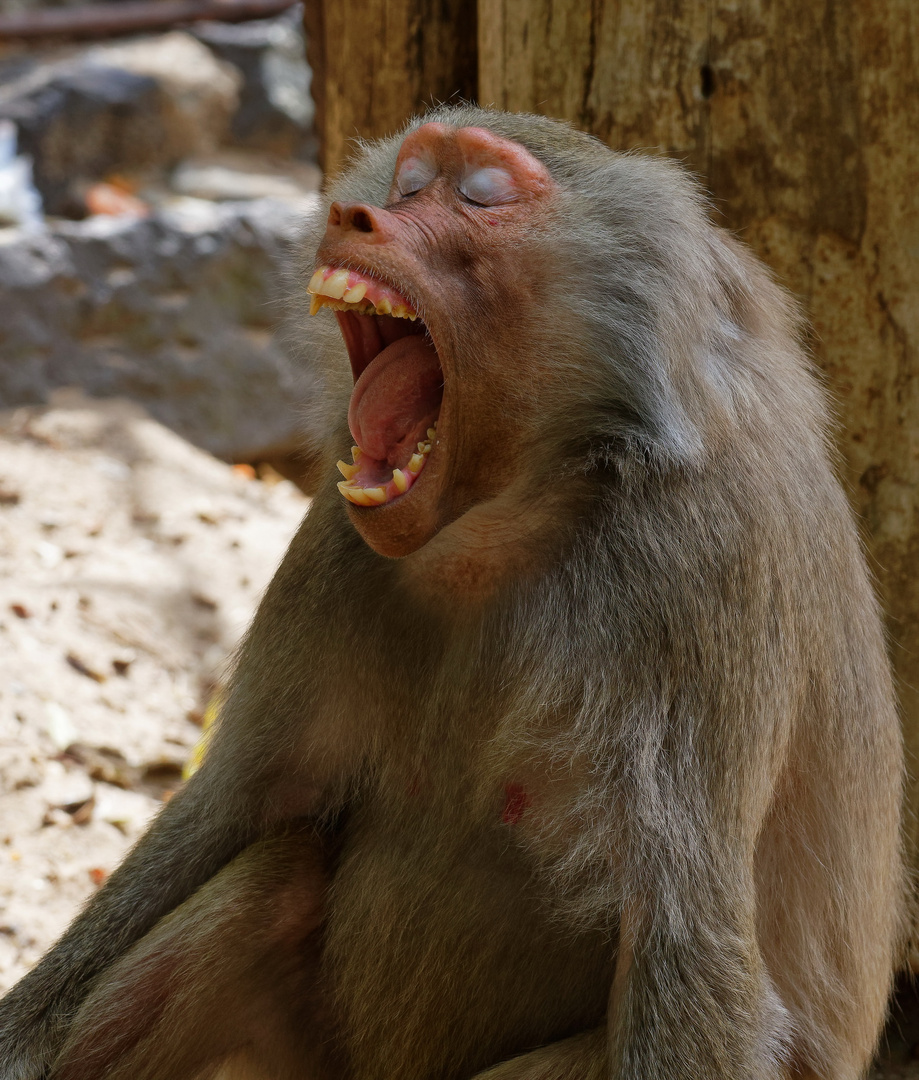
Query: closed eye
413	175
488	186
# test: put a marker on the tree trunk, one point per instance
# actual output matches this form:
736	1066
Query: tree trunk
377	62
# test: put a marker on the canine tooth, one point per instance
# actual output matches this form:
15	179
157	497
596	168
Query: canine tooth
356	495
414	465
375	494
356	294
346	470
400	480
335	285
384	307
315	304
315	281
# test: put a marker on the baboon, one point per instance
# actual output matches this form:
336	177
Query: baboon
562	744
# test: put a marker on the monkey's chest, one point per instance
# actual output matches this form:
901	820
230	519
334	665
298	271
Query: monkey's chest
444	948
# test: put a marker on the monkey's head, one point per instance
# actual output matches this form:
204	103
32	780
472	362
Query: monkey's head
509	302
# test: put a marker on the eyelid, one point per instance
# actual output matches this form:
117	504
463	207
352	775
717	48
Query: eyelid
488	186
413	174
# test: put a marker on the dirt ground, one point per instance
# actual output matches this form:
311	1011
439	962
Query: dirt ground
130	563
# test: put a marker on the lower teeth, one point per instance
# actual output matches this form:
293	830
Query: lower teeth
401	481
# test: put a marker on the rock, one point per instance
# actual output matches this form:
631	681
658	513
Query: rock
175	311
200	92
65	788
234	174
275	111
79	123
127	810
127	108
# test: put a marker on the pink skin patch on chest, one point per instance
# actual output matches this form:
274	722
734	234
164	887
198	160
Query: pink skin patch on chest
516	803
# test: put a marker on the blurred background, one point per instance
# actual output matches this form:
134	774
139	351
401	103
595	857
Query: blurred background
157	180
156	160
156	166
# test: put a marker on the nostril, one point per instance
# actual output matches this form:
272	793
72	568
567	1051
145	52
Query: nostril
358	217
361	219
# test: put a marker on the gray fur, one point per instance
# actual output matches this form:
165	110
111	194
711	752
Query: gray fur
691	677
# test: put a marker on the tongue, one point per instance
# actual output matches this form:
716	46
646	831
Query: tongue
396	400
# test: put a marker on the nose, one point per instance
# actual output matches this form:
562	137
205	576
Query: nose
367	224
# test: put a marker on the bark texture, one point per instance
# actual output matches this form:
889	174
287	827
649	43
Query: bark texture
377	62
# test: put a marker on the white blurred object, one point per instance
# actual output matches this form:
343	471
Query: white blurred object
20	202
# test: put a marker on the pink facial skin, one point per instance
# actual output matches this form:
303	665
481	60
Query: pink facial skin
463	206
486	170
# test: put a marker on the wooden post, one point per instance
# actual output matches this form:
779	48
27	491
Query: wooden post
628	71
377	62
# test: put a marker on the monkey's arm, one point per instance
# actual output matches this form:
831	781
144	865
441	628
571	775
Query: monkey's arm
695	999
256	776
683	1006
582	1057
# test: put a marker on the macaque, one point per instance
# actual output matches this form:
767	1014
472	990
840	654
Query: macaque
562	746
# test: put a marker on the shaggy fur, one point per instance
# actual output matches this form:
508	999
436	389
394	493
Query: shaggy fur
659	639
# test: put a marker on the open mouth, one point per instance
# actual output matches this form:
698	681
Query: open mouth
398	384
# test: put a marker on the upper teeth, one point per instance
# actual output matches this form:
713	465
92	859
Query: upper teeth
334	285
355	295
346	290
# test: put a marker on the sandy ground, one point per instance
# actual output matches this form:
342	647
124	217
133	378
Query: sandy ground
130	563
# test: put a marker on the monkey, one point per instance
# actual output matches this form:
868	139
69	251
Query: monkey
563	743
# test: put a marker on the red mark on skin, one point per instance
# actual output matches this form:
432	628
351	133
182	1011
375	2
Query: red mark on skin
516	803
418	784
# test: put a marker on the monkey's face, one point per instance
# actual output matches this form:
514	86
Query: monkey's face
438	304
